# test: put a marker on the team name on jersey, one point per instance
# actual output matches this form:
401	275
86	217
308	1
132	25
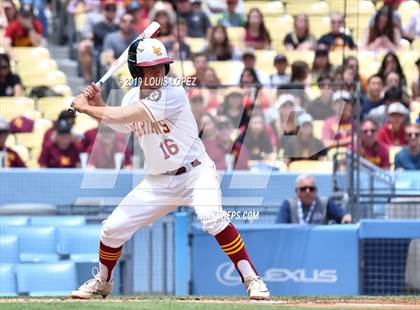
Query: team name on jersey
148	127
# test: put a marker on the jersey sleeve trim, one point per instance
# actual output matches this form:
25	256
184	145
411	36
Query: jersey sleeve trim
149	113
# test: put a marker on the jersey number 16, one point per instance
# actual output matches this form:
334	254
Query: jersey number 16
168	148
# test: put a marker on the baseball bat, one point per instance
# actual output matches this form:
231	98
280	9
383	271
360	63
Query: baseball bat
149	32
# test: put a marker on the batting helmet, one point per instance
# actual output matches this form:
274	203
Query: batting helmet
147	52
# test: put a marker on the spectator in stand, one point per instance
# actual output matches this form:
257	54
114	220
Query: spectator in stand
197	107
351	63
338	78
177	40
256	140
336	39
249	77
412	29
62	152
197	21
164	14
384	34
371	149
304	145
415	87
301	38
104	146
212	93
141	13
280	77
94	39
337	129
8	157
8	13
219	47
393	132
394	5
309	208
321	107
380	113
49	135
374	96
233	109
285	124
217	139
321	64
200	63
391	63
254	91
409	157
24	31
10	83
249	60
116	42
392	79
300	75
256	34
230	17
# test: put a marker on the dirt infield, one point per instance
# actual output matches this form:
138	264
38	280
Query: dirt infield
164	302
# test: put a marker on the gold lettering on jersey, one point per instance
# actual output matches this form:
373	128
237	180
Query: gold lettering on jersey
148	127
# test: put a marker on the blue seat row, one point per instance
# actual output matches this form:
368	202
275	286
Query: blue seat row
49	244
48	220
52	279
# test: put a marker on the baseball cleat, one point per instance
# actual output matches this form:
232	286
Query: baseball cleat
95	286
256	288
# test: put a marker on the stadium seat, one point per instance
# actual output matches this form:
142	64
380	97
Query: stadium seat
37	244
42	125
406	9
56	78
267	8
261	165
28	54
63	90
235	35
29	139
80	243
393	150
84	123
9	249
318	124
7	280
318	25
14	220
10	141
320	8
184	68
54	279
22	151
311	166
11	107
58	220
196	44
294	7
50	107
224	69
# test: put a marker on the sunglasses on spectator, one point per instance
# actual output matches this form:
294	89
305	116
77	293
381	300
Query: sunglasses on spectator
4	67
369	131
336	21
413	134
110	8
305	188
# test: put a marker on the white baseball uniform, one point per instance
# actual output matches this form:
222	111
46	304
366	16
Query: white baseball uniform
170	141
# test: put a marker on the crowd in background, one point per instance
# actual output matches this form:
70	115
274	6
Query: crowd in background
259	116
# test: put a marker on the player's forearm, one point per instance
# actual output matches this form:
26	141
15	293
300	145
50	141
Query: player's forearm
117	115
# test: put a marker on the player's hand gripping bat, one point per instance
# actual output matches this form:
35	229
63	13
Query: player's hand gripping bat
149	32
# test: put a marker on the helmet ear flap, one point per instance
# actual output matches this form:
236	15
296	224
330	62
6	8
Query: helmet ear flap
167	68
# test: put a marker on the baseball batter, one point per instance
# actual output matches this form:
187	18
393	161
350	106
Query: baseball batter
178	169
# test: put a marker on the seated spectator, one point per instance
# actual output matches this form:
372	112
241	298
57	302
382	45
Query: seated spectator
197	21
163	14
280	77
197	107
256	140
409	157
391	63
300	75
371	149
256	34
380	114
412	29
301	38
415	87
10	83
351	63
393	132
176	46
384	34
140	10
219	47
62	152
321	107
285	123
394	5
374	95
249	60
304	145
230	17
321	64
200	63
94	36
213	95
49	135
26	30
8	157
217	139
107	145
338	79
337	129
233	109
254	93
8	13
336	39
308	208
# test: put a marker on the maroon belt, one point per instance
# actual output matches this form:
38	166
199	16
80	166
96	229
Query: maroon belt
185	168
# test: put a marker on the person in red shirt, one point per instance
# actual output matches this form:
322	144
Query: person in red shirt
25	31
103	144
62	152
374	151
8	157
393	132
